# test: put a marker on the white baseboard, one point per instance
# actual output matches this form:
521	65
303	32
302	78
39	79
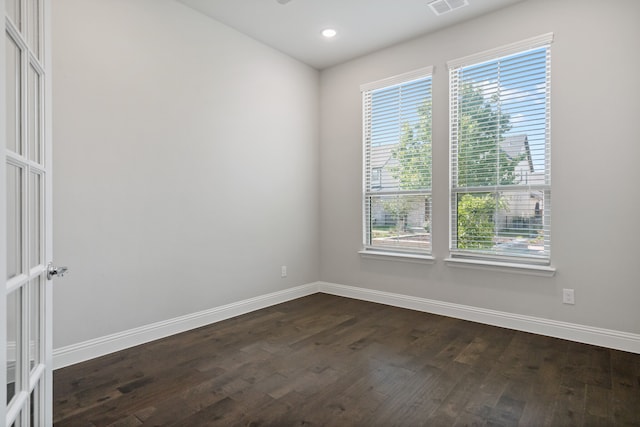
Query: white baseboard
101	346
570	331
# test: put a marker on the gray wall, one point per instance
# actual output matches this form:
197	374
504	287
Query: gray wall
596	144
186	166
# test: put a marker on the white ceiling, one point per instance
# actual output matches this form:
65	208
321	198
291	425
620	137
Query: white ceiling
363	25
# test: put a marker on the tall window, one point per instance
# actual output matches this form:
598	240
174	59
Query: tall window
500	153
397	163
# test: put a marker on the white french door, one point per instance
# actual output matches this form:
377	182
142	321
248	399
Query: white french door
25	300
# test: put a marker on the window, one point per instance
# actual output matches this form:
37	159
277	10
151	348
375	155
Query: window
500	202
397	163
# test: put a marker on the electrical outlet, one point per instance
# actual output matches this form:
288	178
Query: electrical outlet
568	297
283	272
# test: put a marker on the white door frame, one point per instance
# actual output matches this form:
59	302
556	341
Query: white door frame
48	219
3	223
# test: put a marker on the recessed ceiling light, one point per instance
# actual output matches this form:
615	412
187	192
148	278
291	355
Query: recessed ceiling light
329	33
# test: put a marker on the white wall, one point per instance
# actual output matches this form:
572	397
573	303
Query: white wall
596	144
186	166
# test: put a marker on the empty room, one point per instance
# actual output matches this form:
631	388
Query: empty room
320	213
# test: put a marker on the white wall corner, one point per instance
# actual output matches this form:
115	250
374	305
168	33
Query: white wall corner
101	346
570	331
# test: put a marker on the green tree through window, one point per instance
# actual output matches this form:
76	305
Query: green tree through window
481	163
482	128
413	153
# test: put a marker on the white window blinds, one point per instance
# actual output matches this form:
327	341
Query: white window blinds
397	163
500	153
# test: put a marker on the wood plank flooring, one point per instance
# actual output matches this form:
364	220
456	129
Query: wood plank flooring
324	360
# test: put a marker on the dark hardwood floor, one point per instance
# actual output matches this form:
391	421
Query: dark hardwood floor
328	361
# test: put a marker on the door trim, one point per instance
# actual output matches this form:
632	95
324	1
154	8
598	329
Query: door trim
3	221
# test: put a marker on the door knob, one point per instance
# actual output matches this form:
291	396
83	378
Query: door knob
55	271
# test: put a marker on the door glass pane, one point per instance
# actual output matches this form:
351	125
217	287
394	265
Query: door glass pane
34	322
34	26
13	96
13	344
34	134
35	220
13	10
14	220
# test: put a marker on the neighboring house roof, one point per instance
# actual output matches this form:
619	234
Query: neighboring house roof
381	157
381	154
516	145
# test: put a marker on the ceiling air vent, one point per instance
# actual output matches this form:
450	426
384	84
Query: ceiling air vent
443	6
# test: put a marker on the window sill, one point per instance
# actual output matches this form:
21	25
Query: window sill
397	256
506	267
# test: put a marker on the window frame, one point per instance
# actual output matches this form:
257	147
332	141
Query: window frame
369	189
491	257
